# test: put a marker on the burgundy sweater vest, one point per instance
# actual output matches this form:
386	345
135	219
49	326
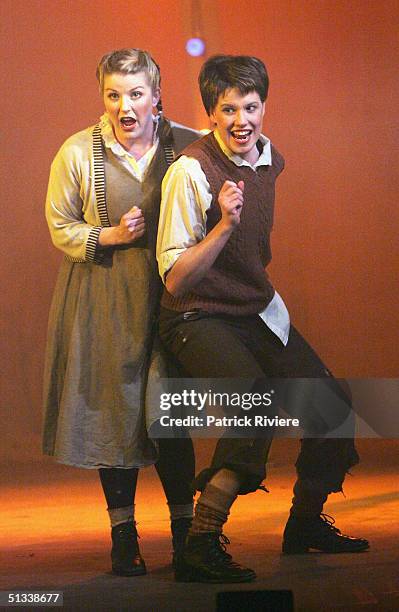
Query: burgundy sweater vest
237	283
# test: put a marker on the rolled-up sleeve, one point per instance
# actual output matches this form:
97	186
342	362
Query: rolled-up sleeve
182	222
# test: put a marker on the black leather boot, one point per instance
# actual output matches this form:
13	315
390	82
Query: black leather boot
318	532
125	554
179	528
204	559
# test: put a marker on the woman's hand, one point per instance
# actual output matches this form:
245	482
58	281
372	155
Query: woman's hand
231	200
130	228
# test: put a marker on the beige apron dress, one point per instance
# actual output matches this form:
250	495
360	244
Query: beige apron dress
100	350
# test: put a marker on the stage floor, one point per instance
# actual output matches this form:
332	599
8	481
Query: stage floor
55	535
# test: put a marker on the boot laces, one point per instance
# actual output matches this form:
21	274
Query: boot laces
329	522
223	541
220	542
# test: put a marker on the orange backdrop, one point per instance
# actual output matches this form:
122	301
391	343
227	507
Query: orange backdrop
331	112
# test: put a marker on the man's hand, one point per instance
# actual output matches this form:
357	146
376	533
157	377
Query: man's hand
130	228
231	200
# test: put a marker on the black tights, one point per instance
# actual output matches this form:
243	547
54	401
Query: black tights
175	468
119	486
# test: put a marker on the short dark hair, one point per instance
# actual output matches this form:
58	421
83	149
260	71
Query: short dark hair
222	72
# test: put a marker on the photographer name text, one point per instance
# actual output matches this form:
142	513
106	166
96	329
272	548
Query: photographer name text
234	421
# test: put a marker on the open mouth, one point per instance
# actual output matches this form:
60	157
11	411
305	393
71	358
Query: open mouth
241	136
128	122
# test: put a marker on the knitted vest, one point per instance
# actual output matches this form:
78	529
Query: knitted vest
237	283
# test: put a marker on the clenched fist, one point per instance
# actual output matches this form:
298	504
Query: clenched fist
132	225
231	200
130	228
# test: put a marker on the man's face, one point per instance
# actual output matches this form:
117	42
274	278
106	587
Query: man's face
238	120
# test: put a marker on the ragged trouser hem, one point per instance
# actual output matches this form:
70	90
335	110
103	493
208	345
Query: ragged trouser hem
324	460
327	461
245	456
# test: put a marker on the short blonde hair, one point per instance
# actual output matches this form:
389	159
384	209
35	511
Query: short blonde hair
129	61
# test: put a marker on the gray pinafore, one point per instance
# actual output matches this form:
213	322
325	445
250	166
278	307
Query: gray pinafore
100	349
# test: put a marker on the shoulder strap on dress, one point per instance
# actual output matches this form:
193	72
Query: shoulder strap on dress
99	176
166	139
169	154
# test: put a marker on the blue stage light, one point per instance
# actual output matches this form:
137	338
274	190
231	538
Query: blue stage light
195	47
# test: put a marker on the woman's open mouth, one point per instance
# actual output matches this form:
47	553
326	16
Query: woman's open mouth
241	136
128	122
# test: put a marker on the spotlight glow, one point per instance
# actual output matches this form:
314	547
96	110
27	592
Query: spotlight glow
195	47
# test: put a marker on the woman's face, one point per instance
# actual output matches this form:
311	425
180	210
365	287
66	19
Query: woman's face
129	100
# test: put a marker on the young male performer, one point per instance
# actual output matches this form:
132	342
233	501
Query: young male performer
221	316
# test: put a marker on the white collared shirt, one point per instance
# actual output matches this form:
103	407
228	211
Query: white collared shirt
137	167
186	197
